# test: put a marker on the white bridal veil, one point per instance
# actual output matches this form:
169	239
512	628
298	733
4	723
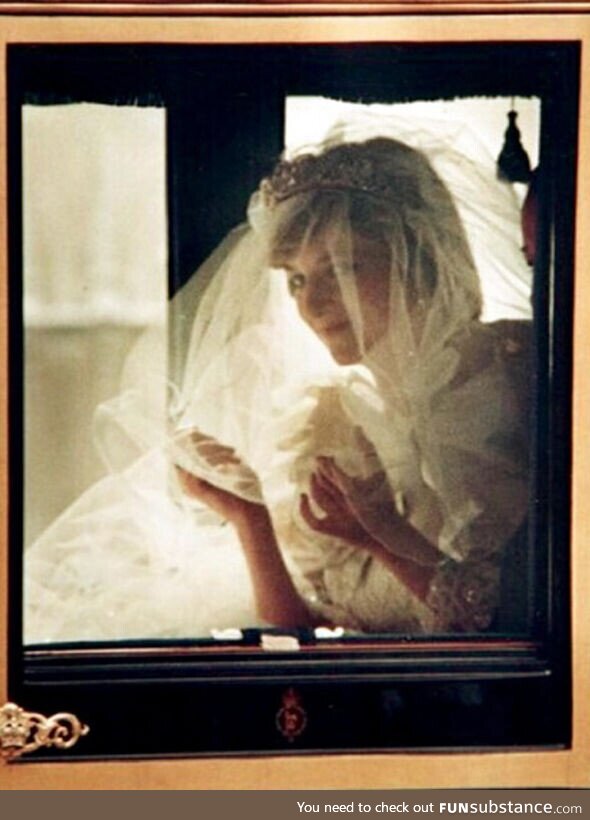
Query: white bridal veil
133	557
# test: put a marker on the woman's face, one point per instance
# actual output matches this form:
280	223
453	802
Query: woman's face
315	286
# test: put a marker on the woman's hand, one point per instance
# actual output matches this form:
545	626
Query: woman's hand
354	508
338	519
214	474
277	600
230	507
362	511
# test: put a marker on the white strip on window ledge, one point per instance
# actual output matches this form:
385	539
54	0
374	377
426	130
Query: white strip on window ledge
279	643
227	634
323	632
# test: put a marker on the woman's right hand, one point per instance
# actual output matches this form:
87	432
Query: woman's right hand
227	485
230	507
277	599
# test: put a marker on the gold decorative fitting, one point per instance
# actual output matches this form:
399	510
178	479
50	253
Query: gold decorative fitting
291	718
22	732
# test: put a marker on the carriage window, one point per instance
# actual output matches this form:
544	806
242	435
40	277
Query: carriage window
287	423
115	548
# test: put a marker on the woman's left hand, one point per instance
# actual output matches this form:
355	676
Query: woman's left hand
359	508
363	511
338	519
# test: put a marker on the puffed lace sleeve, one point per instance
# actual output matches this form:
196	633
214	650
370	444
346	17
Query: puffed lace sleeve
476	460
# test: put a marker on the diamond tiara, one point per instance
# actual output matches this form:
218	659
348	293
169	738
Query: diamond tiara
340	169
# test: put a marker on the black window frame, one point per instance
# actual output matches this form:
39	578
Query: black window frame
471	693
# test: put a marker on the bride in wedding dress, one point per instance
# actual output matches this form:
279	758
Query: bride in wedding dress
346	443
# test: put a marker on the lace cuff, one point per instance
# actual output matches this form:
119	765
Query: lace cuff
463	596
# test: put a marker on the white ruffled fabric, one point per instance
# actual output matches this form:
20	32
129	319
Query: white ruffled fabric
131	559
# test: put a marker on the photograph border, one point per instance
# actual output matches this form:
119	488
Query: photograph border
557	768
